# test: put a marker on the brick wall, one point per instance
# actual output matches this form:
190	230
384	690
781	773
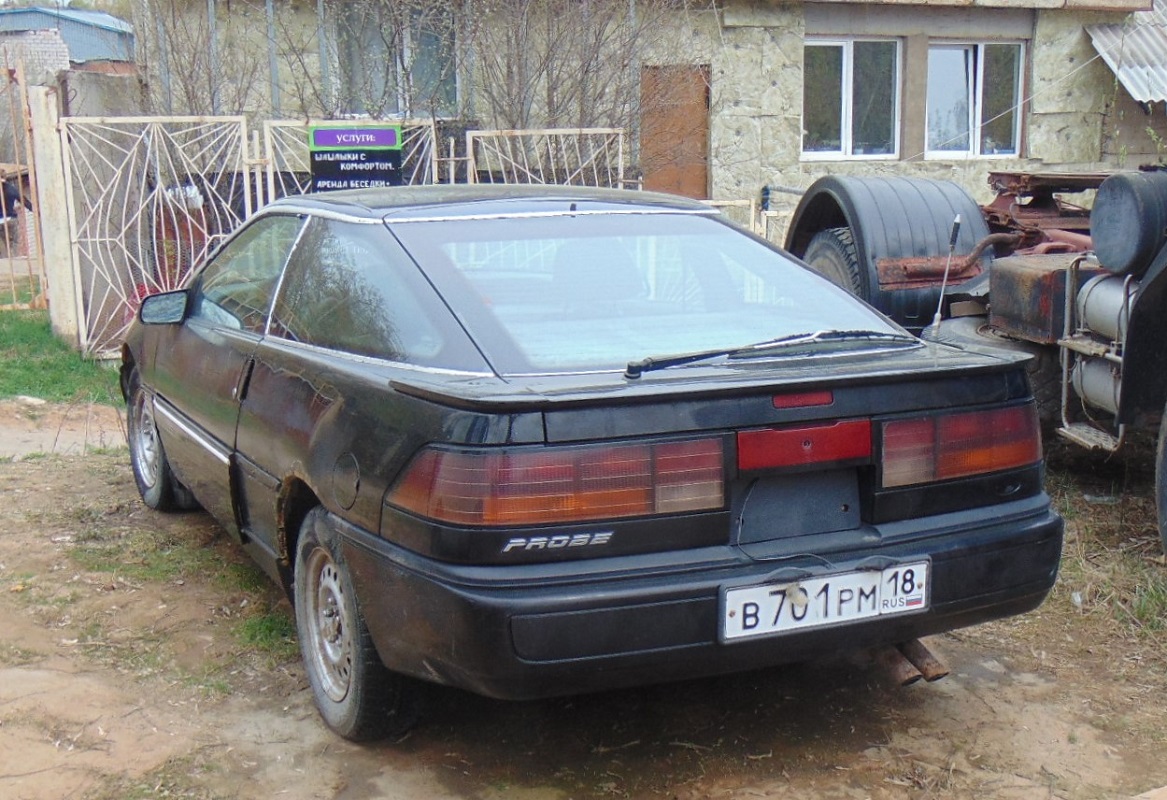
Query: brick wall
44	54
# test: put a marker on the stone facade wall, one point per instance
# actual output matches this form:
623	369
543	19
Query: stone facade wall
755	51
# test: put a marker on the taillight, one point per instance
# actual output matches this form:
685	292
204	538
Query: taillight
958	445
568	484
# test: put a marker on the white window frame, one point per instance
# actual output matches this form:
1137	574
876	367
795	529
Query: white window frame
976	100
846	151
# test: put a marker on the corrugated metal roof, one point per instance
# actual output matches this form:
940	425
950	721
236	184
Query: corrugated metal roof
89	35
1136	51
98	19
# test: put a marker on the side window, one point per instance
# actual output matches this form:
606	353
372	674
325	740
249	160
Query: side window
348	288
237	286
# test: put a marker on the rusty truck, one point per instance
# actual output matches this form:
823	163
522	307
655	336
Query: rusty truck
1082	290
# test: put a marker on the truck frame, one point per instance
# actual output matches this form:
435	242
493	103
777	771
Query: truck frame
1084	292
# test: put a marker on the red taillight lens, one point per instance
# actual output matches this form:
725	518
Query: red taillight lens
957	445
537	487
804	445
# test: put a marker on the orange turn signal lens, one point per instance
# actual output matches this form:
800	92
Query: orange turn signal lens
948	446
571	484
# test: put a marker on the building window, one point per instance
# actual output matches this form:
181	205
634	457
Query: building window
396	59
974	99
850	99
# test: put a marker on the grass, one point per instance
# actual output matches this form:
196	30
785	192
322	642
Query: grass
1112	587
271	632
177	777
35	363
21	290
142	555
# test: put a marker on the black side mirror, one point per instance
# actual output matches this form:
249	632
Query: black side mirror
164	309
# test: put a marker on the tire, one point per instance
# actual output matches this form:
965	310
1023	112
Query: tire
1161	480
156	483
832	254
1044	368
356	695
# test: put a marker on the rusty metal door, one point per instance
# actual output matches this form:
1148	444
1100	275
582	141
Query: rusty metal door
674	129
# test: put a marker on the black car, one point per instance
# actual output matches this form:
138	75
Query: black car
543	441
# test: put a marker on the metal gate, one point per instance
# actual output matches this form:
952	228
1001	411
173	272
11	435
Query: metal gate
565	156
148	197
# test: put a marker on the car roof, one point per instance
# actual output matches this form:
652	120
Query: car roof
382	202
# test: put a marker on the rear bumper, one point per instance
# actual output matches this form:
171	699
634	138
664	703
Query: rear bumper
544	630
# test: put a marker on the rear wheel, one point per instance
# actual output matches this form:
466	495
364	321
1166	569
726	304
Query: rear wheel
833	255
156	483
356	695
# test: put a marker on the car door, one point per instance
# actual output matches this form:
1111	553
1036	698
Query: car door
202	366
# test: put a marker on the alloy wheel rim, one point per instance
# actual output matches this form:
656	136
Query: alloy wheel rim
146	443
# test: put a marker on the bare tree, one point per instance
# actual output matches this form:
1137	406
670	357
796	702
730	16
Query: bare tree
374	57
566	63
198	62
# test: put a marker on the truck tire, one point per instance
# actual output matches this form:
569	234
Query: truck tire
1161	480
832	254
1044	367
889	219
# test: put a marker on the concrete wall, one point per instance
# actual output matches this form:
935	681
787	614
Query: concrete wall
99	94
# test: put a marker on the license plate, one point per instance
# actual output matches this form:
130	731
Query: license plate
827	600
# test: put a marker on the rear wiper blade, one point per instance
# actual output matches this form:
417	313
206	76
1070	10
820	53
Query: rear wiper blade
637	368
822	336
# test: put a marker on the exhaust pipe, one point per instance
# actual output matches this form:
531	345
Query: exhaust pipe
901	670
922	659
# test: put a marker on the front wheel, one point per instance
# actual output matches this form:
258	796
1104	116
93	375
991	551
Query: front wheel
156	483
356	695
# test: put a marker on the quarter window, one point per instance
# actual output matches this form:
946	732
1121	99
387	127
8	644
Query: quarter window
974	99
850	98
350	288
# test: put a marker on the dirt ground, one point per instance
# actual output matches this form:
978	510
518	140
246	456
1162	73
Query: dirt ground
127	671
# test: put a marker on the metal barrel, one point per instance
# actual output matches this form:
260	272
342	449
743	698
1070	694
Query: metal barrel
1129	220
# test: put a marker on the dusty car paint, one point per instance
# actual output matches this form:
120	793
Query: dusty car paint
262	429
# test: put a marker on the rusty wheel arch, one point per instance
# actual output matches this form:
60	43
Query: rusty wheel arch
296	499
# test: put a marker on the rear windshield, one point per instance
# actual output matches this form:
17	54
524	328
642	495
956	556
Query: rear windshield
561	293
